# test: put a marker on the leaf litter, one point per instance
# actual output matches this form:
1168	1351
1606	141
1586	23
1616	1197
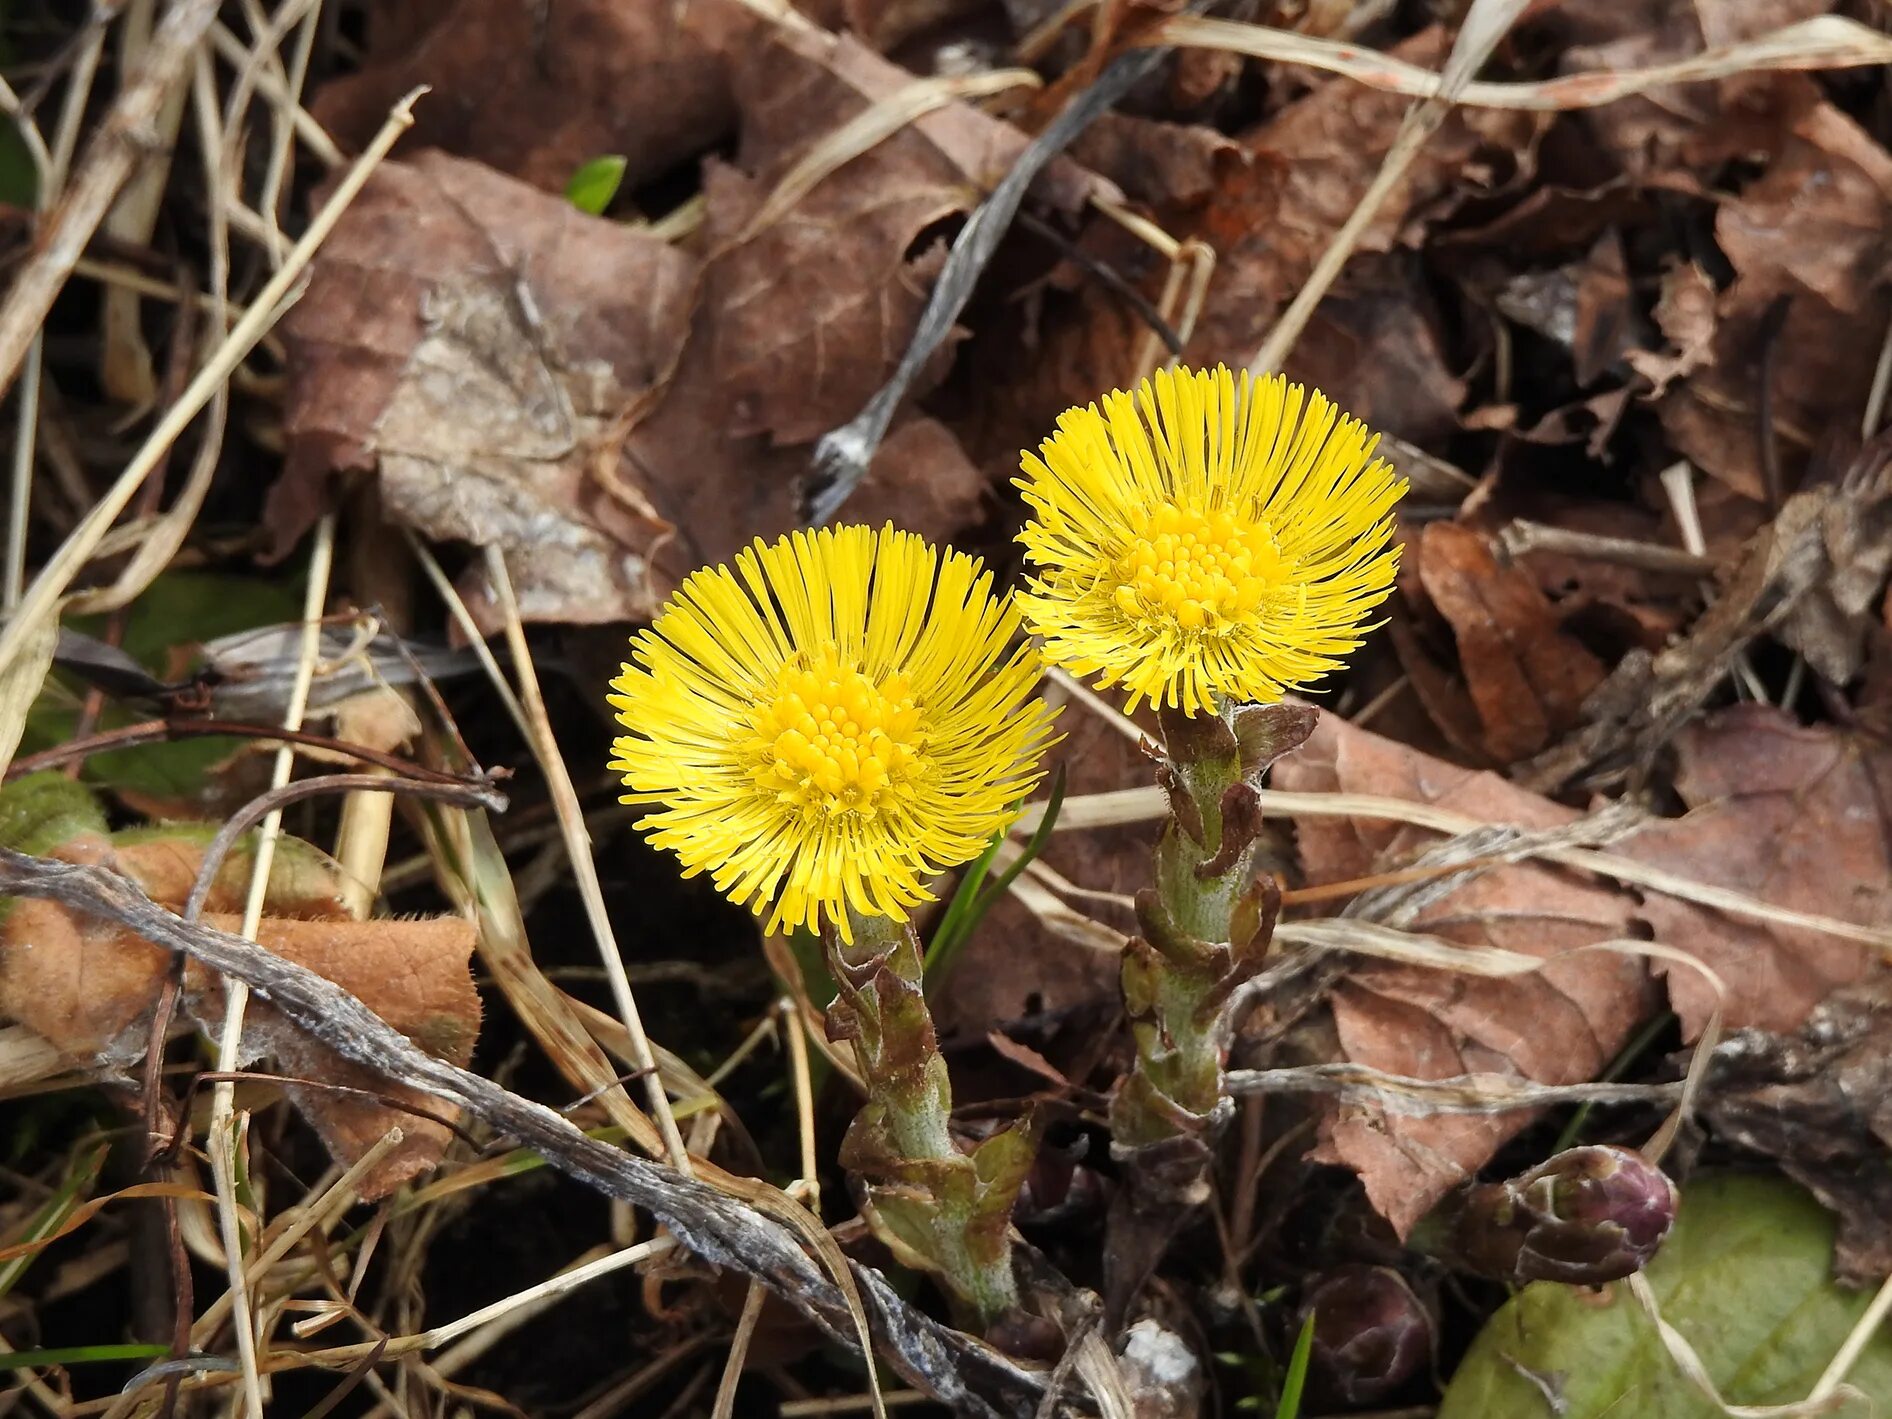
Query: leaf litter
1621	319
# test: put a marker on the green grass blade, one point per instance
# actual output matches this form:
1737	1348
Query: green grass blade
1295	1381
975	897
78	1355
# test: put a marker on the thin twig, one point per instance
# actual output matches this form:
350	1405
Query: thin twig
842	455
466	795
155	731
571	821
221	1131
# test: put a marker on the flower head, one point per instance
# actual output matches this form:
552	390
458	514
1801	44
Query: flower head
1207	538
829	723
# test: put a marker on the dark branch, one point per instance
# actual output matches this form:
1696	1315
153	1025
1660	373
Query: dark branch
955	1369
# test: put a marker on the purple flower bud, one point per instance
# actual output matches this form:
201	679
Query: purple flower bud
1371	1332
1586	1216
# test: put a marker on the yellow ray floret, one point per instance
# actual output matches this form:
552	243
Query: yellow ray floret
1207	539
840	716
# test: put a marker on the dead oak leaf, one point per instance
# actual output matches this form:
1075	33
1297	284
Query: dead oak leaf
537	90
475	342
1795	815
807	307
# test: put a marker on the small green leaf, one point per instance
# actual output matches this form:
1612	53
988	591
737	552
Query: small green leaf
1295	1381
1745	1277
595	183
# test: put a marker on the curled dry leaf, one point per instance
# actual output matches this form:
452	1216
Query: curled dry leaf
1819	1102
1809	244
1527	678
1685	313
536	90
89	987
1812	577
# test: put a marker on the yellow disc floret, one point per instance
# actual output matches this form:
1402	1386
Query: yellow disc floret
1206	539
831	741
829	723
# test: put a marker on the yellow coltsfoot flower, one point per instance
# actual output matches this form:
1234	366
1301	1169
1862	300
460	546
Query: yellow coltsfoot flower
1208	538
828	724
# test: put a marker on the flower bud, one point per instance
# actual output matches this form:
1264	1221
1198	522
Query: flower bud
1586	1216
1372	1333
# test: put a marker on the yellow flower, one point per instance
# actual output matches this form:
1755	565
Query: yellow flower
830	723
1207	539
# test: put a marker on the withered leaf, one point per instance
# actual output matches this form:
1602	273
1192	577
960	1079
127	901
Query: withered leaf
1330	145
1809	243
807	310
1685	313
806	306
534	91
1527	678
1559	1025
1791	815
476	341
89	987
1812	576
1795	815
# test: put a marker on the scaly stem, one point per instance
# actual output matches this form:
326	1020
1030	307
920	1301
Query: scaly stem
936	1207
1206	926
1177	977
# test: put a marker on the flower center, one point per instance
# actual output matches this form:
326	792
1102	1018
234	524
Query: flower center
832	741
1198	571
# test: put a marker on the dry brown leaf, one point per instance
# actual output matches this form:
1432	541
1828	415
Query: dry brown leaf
1792	815
1330	145
804	312
536	91
1685	313
89	987
1811	249
1795	815
476	341
1170	167
1558	1026
1527	678
1374	346
1811	577
1682	126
